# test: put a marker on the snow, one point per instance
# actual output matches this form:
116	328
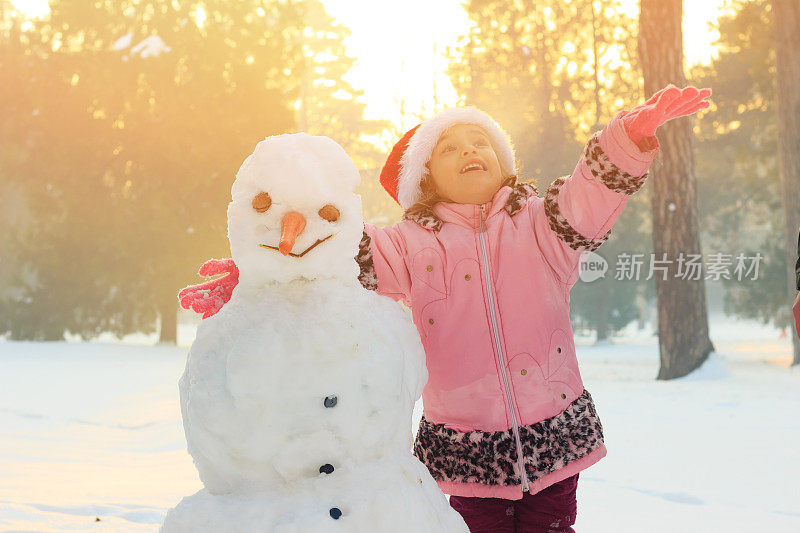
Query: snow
89	430
151	46
93	429
123	42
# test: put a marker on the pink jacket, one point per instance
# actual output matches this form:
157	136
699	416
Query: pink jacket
505	409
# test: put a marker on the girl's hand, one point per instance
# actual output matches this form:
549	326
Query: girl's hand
668	103
209	297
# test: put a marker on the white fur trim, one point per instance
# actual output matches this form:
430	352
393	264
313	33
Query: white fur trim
422	143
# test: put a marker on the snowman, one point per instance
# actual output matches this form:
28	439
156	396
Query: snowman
298	394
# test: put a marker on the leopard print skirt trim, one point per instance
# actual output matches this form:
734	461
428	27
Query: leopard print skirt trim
490	457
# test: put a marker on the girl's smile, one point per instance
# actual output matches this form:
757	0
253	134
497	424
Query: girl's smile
474	165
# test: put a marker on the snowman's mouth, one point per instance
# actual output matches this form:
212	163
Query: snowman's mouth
304	252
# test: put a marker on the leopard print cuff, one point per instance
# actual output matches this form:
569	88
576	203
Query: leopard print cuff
366	276
490	457
607	172
519	195
560	225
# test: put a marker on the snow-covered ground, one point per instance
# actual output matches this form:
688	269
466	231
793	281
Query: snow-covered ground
92	431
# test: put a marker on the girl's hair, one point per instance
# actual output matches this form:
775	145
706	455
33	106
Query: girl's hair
430	196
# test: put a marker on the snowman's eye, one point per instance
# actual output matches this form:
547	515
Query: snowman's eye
261	202
329	213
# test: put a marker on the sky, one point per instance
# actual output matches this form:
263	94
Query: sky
399	48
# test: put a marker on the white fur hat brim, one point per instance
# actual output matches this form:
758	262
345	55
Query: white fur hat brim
422	143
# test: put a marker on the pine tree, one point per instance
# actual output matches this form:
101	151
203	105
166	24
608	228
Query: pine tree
125	123
684	343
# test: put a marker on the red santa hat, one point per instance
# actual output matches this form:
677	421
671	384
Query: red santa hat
405	167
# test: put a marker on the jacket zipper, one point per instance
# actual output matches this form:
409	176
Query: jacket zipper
487	276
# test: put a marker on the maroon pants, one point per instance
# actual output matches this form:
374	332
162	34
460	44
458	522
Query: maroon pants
551	510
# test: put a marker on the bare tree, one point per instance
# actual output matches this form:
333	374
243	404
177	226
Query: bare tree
682	313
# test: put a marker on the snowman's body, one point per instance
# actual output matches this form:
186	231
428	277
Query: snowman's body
297	401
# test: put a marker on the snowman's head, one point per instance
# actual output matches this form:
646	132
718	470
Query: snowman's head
294	213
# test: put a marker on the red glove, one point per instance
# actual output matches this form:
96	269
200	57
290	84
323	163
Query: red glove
668	103
209	297
796	313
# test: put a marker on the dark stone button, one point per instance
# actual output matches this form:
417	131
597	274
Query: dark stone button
563	396
335	513
330	401
326	469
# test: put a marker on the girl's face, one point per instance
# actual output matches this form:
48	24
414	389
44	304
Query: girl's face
464	166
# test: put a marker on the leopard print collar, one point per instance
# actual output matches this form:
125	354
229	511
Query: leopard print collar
516	199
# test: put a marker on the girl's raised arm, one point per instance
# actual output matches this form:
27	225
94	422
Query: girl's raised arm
578	211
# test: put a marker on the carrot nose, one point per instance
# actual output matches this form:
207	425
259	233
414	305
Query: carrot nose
292	225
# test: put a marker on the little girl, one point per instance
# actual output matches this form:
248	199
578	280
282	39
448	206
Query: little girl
486	266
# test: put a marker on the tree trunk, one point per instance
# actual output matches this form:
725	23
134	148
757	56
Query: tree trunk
786	17
682	314
168	309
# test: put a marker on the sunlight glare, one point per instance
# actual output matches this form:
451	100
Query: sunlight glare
404	65
31	8
404	62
